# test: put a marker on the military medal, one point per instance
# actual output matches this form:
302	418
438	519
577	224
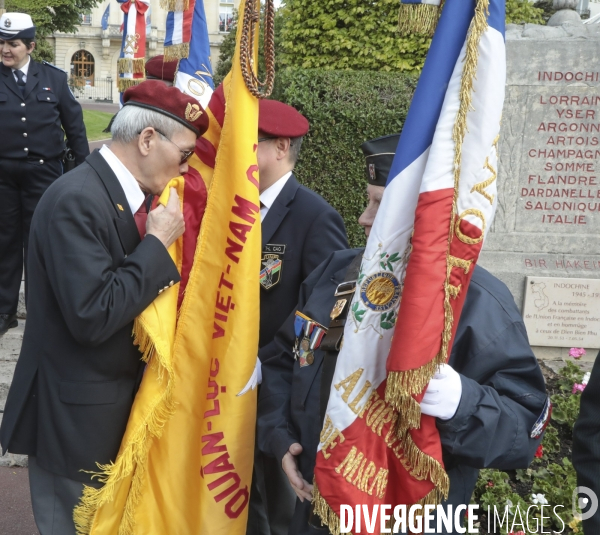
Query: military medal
271	265
309	335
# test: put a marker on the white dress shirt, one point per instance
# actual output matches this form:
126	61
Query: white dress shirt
134	195
24	69
267	197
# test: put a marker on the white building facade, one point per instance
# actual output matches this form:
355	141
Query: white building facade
91	53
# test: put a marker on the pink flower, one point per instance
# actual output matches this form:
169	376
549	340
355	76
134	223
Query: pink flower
577	388
576	352
517	533
539	453
490	483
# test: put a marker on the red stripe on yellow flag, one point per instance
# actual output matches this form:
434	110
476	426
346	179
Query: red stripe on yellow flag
185	463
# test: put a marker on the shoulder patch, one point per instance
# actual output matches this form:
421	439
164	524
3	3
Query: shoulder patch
54	67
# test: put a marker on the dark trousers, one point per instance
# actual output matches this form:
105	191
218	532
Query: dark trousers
272	499
22	183
53	499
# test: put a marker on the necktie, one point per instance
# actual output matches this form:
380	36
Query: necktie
20	82
142	215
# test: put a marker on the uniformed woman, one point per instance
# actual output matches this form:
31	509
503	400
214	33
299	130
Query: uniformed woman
36	109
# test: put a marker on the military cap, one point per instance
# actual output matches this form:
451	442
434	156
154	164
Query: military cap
170	101
379	154
280	120
160	69
16	26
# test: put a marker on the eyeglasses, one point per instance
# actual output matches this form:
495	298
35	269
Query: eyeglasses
186	154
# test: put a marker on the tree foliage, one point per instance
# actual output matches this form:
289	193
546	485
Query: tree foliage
51	16
348	34
344	109
523	12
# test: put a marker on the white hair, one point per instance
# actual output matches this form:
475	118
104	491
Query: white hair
131	120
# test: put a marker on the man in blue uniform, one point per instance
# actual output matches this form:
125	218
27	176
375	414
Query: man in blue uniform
37	109
299	229
489	401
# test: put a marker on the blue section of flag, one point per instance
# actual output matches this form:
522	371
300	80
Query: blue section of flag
170	28
199	57
105	17
423	115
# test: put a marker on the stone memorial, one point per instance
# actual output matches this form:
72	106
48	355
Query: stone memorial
548	219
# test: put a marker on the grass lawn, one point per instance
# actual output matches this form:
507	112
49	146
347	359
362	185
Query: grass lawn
95	122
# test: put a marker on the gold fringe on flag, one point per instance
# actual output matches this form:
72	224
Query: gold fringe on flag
125	83
327	515
134	450
180	51
131	65
175	5
420	19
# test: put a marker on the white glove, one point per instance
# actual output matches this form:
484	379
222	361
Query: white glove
443	394
255	379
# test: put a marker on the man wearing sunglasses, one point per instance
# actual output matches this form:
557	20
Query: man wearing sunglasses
299	229
95	266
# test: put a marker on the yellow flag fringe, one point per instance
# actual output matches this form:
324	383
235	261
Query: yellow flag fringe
131	65
420	19
175	5
132	457
125	83
180	51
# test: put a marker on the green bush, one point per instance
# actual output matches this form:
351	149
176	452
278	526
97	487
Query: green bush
349	34
344	108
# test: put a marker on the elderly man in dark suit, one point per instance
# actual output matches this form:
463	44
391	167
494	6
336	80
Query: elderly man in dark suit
94	266
37	110
299	229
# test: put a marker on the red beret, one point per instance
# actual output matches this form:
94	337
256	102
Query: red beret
170	101
280	120
157	67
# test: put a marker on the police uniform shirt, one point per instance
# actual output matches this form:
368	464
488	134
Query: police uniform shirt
24	70
267	197
135	196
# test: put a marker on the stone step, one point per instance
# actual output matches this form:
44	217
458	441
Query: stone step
7	370
10	343
11	459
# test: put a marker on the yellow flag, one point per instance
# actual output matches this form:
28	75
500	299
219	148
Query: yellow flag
185	462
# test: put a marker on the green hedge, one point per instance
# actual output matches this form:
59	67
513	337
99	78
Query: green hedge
344	108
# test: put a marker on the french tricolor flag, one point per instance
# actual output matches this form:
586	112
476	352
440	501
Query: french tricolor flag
440	200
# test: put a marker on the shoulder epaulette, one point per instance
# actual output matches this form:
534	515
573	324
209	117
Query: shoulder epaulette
54	66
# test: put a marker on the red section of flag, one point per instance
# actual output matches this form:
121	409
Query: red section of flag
188	15
194	205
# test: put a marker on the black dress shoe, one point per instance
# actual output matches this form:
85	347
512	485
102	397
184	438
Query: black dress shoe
7	321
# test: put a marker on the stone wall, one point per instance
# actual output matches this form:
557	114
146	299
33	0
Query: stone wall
548	218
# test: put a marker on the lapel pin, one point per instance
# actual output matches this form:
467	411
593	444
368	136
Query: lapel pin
120	207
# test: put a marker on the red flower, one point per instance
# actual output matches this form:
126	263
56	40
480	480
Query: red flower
517	533
490	484
539	453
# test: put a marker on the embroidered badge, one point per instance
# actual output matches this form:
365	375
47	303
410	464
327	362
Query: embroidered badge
272	265
372	171
309	335
338	308
380	291
192	112
542	422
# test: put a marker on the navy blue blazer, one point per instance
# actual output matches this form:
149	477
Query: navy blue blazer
310	229
32	125
503	390
89	276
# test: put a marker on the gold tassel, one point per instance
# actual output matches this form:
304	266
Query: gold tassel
420	19
325	513
131	65
173	52
175	5
125	83
133	456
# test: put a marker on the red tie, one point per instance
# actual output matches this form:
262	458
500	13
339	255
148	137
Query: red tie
140	218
